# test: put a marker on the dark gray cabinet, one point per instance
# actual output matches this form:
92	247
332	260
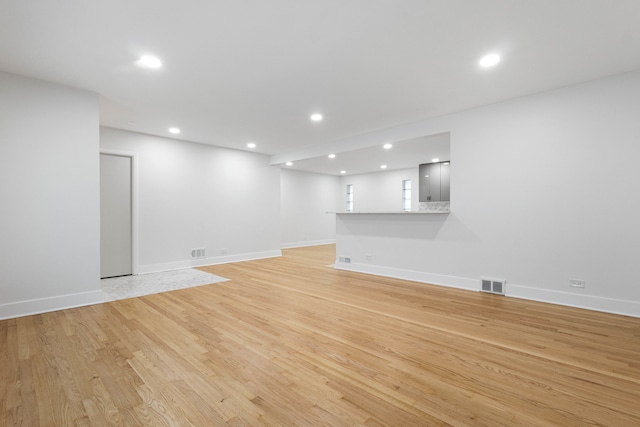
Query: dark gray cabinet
434	183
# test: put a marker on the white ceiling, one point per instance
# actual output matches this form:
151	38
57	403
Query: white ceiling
402	155
236	71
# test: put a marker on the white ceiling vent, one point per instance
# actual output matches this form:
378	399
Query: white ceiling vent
493	286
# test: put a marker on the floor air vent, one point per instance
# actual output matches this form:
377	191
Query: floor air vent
493	286
197	253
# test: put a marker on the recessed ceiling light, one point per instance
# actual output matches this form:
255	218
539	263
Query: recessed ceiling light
316	117
289	163
435	160
251	144
174	131
489	60
343	172
332	156
383	166
149	61
387	146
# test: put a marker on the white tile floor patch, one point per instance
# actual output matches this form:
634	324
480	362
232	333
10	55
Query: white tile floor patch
116	288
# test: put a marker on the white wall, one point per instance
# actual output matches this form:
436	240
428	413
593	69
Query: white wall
199	196
305	200
380	191
544	188
49	181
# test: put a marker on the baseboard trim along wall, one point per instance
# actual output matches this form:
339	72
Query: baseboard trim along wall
62	302
589	302
415	276
201	262
45	305
304	243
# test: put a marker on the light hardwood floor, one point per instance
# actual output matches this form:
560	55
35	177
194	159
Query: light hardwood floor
289	341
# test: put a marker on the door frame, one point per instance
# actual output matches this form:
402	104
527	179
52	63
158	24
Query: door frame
134	202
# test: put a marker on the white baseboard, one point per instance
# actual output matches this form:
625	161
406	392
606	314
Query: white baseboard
589	302
571	299
416	276
201	262
45	305
61	302
304	243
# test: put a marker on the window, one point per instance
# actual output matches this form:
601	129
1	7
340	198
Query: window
349	197
406	195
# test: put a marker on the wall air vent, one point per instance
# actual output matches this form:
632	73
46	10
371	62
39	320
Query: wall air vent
198	253
493	286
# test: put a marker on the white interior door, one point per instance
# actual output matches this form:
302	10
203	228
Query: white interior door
115	216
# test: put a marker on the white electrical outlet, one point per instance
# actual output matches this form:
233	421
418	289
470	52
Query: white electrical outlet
224	251
576	283
368	257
